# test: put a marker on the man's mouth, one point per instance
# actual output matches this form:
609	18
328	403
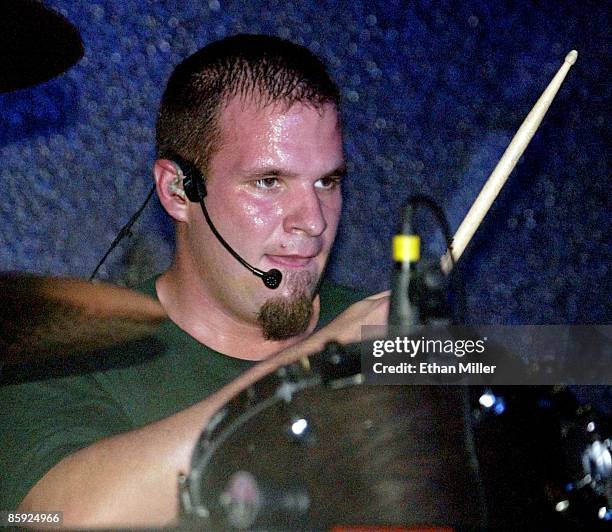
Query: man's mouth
291	261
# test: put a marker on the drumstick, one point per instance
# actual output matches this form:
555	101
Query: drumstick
504	167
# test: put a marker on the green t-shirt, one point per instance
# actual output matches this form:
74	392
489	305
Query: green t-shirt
59	407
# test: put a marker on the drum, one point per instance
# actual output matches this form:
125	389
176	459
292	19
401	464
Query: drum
311	447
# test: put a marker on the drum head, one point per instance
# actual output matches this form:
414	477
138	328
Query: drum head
345	455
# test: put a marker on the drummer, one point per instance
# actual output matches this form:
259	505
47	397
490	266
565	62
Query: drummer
258	116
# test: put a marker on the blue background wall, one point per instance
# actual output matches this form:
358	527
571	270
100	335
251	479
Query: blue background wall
433	92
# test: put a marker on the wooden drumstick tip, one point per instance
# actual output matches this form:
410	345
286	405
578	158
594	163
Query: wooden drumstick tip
571	57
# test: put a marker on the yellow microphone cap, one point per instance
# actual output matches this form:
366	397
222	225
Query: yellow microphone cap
406	248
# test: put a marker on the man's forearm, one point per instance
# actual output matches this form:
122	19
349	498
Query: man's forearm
127	479
131	479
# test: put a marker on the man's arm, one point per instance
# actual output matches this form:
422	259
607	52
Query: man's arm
131	479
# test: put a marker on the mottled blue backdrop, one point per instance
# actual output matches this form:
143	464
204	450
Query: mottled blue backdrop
433	92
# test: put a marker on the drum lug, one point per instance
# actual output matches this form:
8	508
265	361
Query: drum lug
186	504
339	362
184	497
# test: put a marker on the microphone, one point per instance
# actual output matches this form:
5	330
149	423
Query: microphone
195	190
418	289
403	312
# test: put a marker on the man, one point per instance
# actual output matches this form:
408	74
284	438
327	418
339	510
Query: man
258	117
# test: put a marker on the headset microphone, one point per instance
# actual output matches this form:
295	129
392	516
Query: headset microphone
195	190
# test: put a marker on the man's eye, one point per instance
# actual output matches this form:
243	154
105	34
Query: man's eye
267	183
328	183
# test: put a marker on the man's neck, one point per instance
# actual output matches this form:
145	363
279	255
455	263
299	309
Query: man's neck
201	316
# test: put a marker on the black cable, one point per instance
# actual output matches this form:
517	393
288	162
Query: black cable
420	199
125	231
272	278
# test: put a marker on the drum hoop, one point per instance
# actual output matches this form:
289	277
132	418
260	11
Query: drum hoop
277	387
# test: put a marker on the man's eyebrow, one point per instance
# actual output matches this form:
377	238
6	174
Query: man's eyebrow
341	171
262	173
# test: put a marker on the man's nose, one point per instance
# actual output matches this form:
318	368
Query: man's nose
306	214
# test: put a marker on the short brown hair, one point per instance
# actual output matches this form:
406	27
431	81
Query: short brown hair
267	68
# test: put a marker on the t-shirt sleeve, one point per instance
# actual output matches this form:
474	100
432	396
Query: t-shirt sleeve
43	422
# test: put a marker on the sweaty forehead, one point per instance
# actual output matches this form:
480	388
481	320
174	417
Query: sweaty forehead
242	119
250	133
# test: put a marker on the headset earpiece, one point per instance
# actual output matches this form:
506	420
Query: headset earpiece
176	187
193	180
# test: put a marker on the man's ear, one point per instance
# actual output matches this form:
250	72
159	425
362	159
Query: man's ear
169	184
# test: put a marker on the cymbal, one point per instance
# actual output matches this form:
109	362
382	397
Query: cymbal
43	317
36	44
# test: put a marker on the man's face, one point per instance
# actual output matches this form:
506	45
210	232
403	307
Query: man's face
274	195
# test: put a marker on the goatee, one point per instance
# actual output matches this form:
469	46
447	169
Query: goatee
284	317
